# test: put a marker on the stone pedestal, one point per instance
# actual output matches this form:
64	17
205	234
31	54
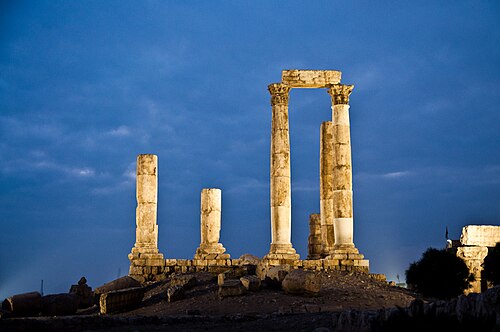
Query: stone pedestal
326	187
281	226
145	251
315	242
473	258
210	221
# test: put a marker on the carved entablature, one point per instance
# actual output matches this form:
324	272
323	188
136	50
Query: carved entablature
340	93
279	93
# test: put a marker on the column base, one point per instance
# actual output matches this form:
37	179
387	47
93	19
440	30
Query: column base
345	251
211	251
282	251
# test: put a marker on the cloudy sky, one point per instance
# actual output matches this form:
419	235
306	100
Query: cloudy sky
85	86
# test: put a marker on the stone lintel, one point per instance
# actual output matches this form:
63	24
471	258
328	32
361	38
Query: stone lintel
480	235
298	78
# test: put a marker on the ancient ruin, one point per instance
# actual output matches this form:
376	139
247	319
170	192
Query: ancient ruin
331	239
210	218
473	247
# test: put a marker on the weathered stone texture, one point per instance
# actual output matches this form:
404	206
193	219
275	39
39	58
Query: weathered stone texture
315	243
120	300
59	304
250	282
310	78
302	281
210	224
484	236
117	284
26	304
326	177
473	258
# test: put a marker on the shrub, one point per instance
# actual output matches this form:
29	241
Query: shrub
491	265
439	273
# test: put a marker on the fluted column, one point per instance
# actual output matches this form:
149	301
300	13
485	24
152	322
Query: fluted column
342	170
210	225
326	187
281	226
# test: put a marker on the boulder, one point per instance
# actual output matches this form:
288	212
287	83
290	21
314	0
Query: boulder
22	305
60	304
186	281
121	300
175	293
251	283
231	288
120	283
302	282
275	275
249	259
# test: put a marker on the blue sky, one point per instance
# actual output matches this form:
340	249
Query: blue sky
85	86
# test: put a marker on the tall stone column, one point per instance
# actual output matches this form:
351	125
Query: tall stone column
145	251
326	187
342	171
210	221
315	243
281	223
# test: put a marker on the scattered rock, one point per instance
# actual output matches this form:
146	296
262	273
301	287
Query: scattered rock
60	304
251	283
23	305
220	279
120	283
84	293
302	282
275	275
121	300
186	281
249	259
175	293
231	288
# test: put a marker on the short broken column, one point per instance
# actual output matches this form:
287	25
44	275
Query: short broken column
326	187
315	243
210	220
145	253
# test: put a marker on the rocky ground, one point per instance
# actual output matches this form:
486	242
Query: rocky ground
268	309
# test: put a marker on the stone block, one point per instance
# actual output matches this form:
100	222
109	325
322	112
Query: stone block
231	288
251	282
302	282
120	300
248	259
310	78
275	275
23	305
484	235
60	304
117	284
170	262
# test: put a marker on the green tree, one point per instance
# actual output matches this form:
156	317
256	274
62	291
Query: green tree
491	265
439	273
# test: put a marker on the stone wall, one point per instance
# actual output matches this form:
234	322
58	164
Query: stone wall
157	273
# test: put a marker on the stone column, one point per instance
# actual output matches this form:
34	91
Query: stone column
210	221
145	251
281	223
473	258
315	243
326	187
342	172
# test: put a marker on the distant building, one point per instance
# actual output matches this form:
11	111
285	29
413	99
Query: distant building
473	247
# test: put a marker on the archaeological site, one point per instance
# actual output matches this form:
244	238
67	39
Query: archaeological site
331	239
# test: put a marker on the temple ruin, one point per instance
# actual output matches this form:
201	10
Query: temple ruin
331	239
473	246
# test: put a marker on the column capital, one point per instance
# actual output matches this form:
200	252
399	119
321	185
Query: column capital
279	93
340	93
